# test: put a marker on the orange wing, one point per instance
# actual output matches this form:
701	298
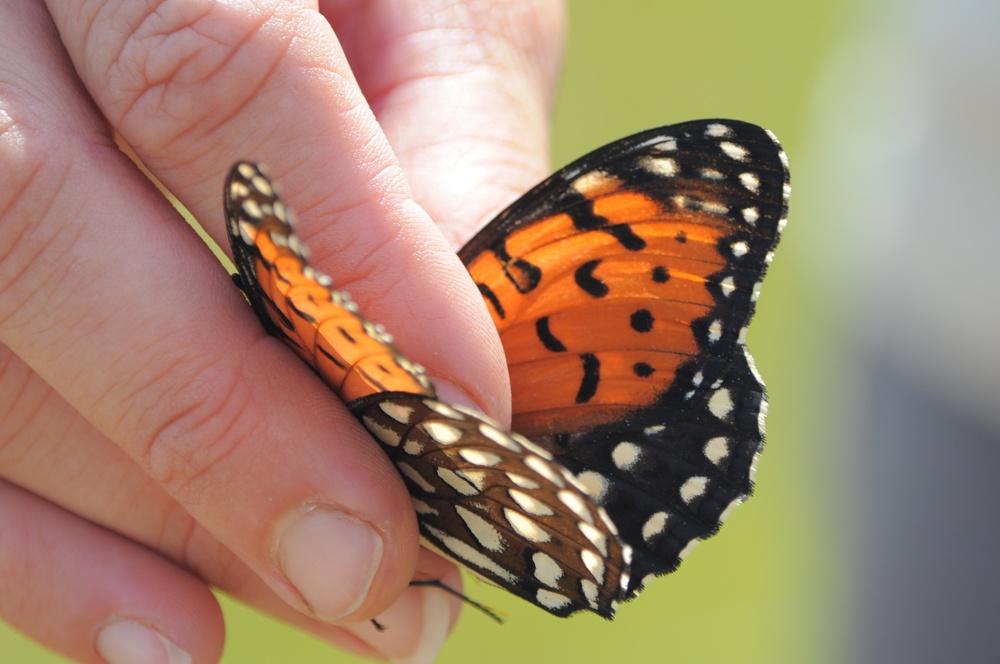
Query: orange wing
296	303
622	287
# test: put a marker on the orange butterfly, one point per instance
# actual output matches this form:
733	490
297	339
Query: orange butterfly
621	287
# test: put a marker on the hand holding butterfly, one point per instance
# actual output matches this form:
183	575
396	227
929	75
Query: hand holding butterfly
153	442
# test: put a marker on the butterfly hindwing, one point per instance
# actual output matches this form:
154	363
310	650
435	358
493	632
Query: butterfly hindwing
622	287
500	505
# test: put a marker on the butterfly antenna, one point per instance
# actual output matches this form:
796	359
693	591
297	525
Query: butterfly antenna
495	615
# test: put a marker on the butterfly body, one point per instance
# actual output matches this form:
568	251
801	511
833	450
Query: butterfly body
621	287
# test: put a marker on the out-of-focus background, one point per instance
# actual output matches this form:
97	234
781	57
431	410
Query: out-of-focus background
870	536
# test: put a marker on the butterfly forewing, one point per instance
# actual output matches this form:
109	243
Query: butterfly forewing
622	287
297	304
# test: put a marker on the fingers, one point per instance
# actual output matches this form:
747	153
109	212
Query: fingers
47	449
195	86
122	311
94	596
463	91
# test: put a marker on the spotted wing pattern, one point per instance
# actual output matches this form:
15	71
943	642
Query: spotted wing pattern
492	501
622	288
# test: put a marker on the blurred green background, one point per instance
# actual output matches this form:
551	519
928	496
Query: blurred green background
766	589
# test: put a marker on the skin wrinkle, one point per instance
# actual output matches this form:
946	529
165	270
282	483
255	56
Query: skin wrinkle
19	412
218	419
16	534
181	71
175	538
12	200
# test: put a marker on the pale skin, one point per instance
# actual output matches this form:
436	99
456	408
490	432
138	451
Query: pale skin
154	442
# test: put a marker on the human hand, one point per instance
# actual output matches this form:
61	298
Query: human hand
153	442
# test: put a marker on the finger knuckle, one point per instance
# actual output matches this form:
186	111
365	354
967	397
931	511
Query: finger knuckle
190	436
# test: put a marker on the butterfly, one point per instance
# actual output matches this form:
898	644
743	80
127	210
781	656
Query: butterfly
622	287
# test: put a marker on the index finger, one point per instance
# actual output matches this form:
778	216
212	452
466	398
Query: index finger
274	73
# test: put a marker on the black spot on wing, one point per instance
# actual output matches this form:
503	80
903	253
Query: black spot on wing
492	298
641	320
548	339
586	280
591	377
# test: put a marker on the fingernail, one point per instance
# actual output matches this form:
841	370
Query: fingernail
331	559
454	394
437	617
414	628
129	642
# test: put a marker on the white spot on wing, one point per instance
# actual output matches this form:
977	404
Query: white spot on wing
551	600
386	435
750	215
593	182
475	477
734	151
420	507
720	403
575	503
523	482
594	483
665	143
739	248
411	474
594	563
595	536
457	483
625	455
529	504
401	414
443	434
728	285
718	130
544	469
484	532
654	526
467	554
715	331
662	166
714	207
443	409
479	457
751	182
590	591
717	449
525	527
693	488
547	570
499	437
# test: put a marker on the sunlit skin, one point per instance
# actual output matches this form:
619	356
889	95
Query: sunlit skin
155	443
